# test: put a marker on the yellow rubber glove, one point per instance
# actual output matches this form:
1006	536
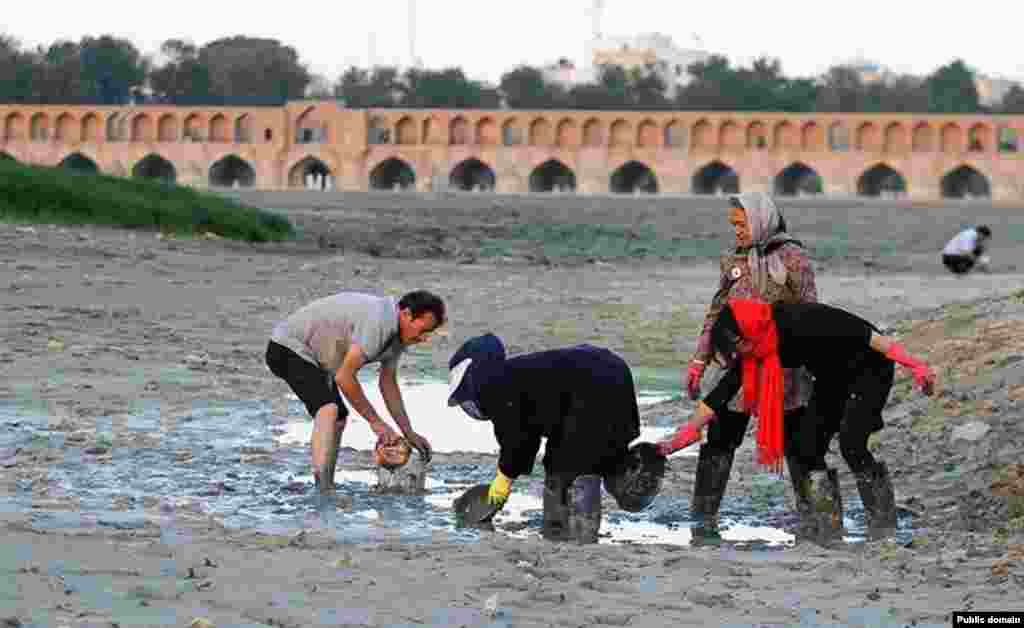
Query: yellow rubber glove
501	486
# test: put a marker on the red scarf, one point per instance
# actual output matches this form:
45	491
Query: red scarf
762	377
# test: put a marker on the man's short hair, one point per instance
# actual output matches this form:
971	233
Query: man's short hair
419	302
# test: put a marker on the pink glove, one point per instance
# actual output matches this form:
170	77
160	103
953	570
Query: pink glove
693	375
686	435
924	376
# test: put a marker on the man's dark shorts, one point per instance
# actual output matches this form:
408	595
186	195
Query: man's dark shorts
958	264
311	384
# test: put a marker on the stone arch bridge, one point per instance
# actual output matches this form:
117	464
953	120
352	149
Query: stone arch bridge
318	144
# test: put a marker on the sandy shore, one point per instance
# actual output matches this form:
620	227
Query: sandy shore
99	322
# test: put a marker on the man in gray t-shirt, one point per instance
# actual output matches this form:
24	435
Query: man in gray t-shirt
319	349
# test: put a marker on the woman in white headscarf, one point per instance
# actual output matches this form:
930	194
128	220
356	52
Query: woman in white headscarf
769	265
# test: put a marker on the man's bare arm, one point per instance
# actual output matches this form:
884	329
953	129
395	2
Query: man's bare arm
388	383
349	385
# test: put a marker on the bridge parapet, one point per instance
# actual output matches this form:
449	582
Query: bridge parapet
321	145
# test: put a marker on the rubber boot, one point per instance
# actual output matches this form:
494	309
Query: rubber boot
713	468
818	502
878	497
799	477
585	509
555	525
826	500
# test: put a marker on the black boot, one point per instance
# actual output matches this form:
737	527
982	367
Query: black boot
800	478
585	508
555	525
713	468
818	502
878	497
826	499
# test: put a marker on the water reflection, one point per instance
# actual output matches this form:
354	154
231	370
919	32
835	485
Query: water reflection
448	429
232	462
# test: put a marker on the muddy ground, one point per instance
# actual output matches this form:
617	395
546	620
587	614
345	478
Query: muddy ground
97	322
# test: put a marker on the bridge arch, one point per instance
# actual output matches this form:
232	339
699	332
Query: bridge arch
39	128
702	135
243	129
787	137
511	133
155	167
952	138
965	182
632	177
14	126
593	133
167	128
142	129
540	133
552	176
405	131
566	134
838	137
311	127
923	138
621	134
79	163
798	179
458	132
116	127
869	138
731	136
896	138
310	173
65	129
812	136
195	128
378	131
715	178
91	128
757	135
881	180
648	135
392	173
980	138
1007	140
220	129
674	135
472	174
487	132
232	171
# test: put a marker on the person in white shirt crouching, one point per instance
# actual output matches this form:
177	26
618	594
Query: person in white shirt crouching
967	250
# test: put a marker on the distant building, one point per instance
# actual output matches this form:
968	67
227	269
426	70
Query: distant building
991	90
869	71
648	50
565	73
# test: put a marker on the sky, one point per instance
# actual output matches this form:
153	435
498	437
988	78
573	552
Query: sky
487	38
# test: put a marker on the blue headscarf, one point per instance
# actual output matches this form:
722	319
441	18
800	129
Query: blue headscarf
487	357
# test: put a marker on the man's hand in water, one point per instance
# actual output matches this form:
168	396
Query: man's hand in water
385	435
420	444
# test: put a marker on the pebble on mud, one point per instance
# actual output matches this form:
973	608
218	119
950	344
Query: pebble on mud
971	432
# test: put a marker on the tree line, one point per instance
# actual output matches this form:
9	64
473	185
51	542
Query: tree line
247	71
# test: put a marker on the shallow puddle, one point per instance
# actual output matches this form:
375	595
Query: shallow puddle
247	465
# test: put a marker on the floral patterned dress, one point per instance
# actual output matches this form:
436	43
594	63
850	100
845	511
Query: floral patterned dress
736	282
